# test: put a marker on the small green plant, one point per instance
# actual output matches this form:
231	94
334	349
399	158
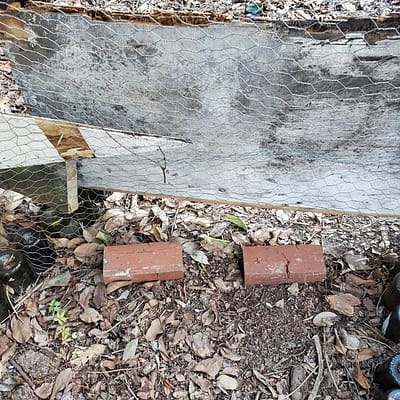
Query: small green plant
60	317
58	312
55	306
65	334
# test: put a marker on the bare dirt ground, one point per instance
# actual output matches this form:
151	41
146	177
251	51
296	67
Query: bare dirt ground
207	337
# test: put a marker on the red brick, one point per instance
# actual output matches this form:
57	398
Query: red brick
263	266
143	262
306	263
273	265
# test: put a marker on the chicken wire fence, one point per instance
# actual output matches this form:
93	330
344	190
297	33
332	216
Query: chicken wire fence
299	111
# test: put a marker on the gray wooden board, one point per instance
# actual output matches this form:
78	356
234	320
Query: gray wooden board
272	115
351	179
29	164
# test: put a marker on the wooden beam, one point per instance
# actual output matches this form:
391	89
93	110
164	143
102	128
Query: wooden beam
29	164
352	179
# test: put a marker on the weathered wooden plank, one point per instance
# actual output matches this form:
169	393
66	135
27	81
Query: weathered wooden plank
29	164
344	180
352	178
266	115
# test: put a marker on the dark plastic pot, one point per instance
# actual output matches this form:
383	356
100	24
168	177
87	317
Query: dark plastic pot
387	374
393	394
391	296
34	244
391	325
15	270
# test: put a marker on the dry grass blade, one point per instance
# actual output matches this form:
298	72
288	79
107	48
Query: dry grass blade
317	383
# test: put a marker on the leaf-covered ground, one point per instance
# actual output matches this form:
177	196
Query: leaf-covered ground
206	337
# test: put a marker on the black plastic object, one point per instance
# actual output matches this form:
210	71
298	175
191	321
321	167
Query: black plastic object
391	296
393	394
391	325
34	244
15	270
5	306
387	374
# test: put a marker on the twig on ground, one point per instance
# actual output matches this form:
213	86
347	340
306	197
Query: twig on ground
301	384
329	367
124	319
129	389
111	371
24	375
318	380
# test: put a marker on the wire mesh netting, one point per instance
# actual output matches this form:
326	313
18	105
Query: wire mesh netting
105	103
269	105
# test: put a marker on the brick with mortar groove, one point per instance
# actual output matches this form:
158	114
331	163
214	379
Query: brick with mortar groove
274	265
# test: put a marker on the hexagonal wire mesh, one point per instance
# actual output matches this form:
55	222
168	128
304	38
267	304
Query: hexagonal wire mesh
255	104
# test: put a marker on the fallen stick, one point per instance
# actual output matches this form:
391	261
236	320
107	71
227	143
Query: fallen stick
319	378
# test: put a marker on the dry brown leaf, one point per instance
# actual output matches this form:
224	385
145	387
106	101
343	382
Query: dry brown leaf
90	315
130	350
5	343
227	382
90	233
155	329
85	250
339	346
202	221
240	239
58	281
343	303
113	286
360	378
230	355
59	243
114	223
210	366
218	229
99	295
356	280
203	383
207	318
81	357
201	345
21	328
85	296
40	336
223	286
294	289
6	357
325	318
356	262
366	354
62	380
351	342
112	212
44	390
179	337
31	307
236	340
260	236
260	377
72	243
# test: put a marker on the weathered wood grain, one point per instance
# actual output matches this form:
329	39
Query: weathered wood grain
264	114
29	164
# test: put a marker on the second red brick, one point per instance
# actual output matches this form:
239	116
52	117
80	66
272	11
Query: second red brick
273	265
